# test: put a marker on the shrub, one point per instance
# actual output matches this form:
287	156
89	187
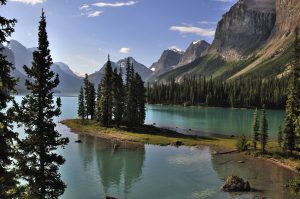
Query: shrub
242	143
294	185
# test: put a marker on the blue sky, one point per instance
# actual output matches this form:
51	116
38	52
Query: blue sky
82	33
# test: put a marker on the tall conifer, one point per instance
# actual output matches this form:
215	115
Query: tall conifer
81	105
255	129
264	131
118	97
7	84
38	161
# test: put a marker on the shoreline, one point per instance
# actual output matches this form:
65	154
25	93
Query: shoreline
165	137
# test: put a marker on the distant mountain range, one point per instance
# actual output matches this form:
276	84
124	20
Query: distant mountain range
19	55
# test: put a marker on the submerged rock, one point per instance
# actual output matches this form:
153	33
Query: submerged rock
235	184
178	143
109	197
78	141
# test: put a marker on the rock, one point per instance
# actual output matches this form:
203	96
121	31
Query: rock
235	184
78	141
178	143
154	124
190	129
109	197
241	161
232	136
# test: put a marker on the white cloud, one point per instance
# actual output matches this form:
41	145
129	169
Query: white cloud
32	2
116	4
193	30
125	50
94	13
84	7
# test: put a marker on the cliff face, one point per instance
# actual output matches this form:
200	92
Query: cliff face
194	51
244	28
168	61
287	17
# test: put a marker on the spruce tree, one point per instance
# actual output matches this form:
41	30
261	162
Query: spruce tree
91	101
140	94
131	96
105	103
118	97
38	161
87	89
255	129
293	100
98	108
280	136
81	106
7	136
264	131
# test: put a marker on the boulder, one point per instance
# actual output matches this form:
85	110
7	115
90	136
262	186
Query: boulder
235	184
109	197
78	141
178	143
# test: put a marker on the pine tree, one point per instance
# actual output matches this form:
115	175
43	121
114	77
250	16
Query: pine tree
255	129
98	108
293	100
105	103
81	107
280	136
91	101
264	131
38	161
7	136
118	97
131	98
86	88
140	94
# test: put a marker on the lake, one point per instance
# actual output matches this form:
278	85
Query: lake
93	169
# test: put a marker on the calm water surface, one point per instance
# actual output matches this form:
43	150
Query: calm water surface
93	170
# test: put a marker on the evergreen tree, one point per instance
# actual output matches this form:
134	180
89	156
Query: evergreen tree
91	101
131	98
38	161
255	129
105	103
140	94
292	104
7	83
118	97
280	136
81	107
264	131
98	108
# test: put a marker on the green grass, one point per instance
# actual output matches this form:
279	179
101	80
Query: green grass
148	135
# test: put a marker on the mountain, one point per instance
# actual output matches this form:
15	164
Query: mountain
141	69
168	61
23	56
194	51
253	38
19	55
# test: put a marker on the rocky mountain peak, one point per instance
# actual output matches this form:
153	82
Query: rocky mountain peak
244	28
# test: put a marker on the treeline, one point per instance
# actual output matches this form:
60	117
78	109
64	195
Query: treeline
29	165
250	93
116	102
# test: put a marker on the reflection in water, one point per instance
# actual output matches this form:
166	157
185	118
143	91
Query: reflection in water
268	180
118	169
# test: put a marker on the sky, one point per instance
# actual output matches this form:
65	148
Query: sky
83	32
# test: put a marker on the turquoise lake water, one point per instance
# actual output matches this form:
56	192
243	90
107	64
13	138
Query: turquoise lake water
93	169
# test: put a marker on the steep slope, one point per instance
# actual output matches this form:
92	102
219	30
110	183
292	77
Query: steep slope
23	56
243	29
195	50
168	61
69	82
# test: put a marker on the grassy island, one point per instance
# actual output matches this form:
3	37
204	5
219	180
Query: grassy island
149	134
